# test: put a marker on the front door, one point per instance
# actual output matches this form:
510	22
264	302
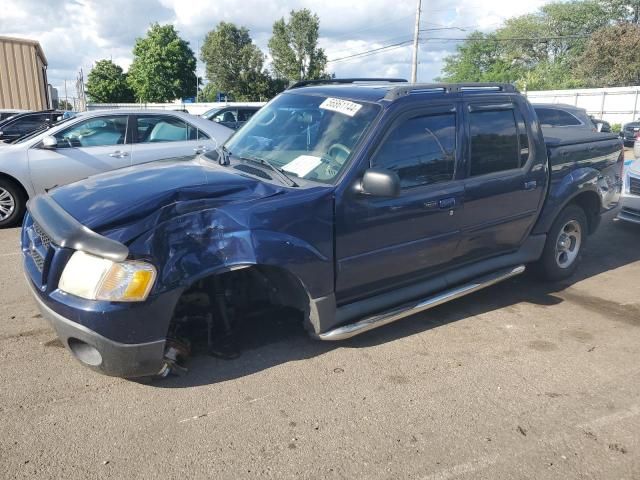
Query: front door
506	180
86	148
383	242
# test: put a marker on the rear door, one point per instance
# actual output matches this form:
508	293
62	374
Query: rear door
92	146
383	242
506	179
157	137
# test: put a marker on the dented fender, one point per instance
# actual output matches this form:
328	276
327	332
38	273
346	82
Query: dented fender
296	236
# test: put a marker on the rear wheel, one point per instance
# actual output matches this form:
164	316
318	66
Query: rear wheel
12	203
565	244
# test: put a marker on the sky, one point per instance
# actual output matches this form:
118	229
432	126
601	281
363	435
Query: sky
76	33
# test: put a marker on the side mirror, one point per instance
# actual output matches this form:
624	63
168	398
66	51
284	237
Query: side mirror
49	142
380	183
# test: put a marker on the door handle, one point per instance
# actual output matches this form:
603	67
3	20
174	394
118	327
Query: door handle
118	154
530	185
201	149
447	203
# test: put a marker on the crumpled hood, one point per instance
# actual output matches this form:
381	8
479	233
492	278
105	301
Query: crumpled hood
124	203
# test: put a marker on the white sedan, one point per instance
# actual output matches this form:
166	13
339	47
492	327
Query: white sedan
96	142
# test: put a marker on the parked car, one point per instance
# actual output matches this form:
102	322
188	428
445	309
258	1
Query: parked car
23	124
5	114
601	125
95	142
232	117
636	146
630	201
630	132
354	206
561	115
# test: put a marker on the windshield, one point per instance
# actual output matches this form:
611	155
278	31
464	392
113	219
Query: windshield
210	113
307	136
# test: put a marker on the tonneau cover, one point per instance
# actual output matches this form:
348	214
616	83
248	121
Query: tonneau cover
559	136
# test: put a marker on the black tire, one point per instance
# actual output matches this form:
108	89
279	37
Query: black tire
13	199
561	256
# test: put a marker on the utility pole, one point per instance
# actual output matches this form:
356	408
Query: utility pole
416	37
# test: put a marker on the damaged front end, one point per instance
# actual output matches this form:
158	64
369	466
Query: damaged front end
226	249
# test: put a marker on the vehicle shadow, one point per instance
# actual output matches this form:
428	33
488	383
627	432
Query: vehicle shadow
269	342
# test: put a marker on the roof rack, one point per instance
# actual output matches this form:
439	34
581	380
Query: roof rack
338	81
404	90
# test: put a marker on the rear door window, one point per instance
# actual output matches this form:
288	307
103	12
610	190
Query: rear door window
494	141
164	128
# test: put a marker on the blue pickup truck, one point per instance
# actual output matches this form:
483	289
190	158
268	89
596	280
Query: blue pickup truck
353	203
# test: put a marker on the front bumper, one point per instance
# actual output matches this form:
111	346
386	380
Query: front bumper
100	353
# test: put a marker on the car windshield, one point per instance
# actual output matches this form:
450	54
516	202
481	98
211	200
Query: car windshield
307	136
210	113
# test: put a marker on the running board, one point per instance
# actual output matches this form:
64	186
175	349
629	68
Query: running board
408	309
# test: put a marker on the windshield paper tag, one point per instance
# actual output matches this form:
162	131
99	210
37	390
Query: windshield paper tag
341	106
303	165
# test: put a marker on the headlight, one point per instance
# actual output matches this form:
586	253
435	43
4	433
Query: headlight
96	278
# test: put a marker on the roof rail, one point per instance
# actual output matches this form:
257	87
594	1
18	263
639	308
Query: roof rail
337	81
404	90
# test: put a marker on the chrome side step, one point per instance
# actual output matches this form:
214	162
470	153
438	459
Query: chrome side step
408	309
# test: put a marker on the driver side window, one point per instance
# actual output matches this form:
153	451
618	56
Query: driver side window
94	132
421	150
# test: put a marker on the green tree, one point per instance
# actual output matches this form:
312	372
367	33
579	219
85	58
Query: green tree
536	51
294	47
64	105
164	67
611	58
623	10
234	64
107	83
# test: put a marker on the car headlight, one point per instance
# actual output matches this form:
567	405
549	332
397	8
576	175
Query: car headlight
97	278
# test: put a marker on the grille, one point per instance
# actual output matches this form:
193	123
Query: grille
634	185
37	259
44	238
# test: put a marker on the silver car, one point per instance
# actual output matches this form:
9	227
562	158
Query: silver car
95	142
630	198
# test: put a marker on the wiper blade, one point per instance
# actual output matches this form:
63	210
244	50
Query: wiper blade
264	161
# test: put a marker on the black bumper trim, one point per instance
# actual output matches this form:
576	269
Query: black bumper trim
65	231
118	359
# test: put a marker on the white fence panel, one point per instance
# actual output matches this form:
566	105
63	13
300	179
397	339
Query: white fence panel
615	105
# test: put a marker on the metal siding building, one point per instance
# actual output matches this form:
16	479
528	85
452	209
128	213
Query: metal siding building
23	74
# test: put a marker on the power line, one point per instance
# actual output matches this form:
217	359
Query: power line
509	39
372	51
393	46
